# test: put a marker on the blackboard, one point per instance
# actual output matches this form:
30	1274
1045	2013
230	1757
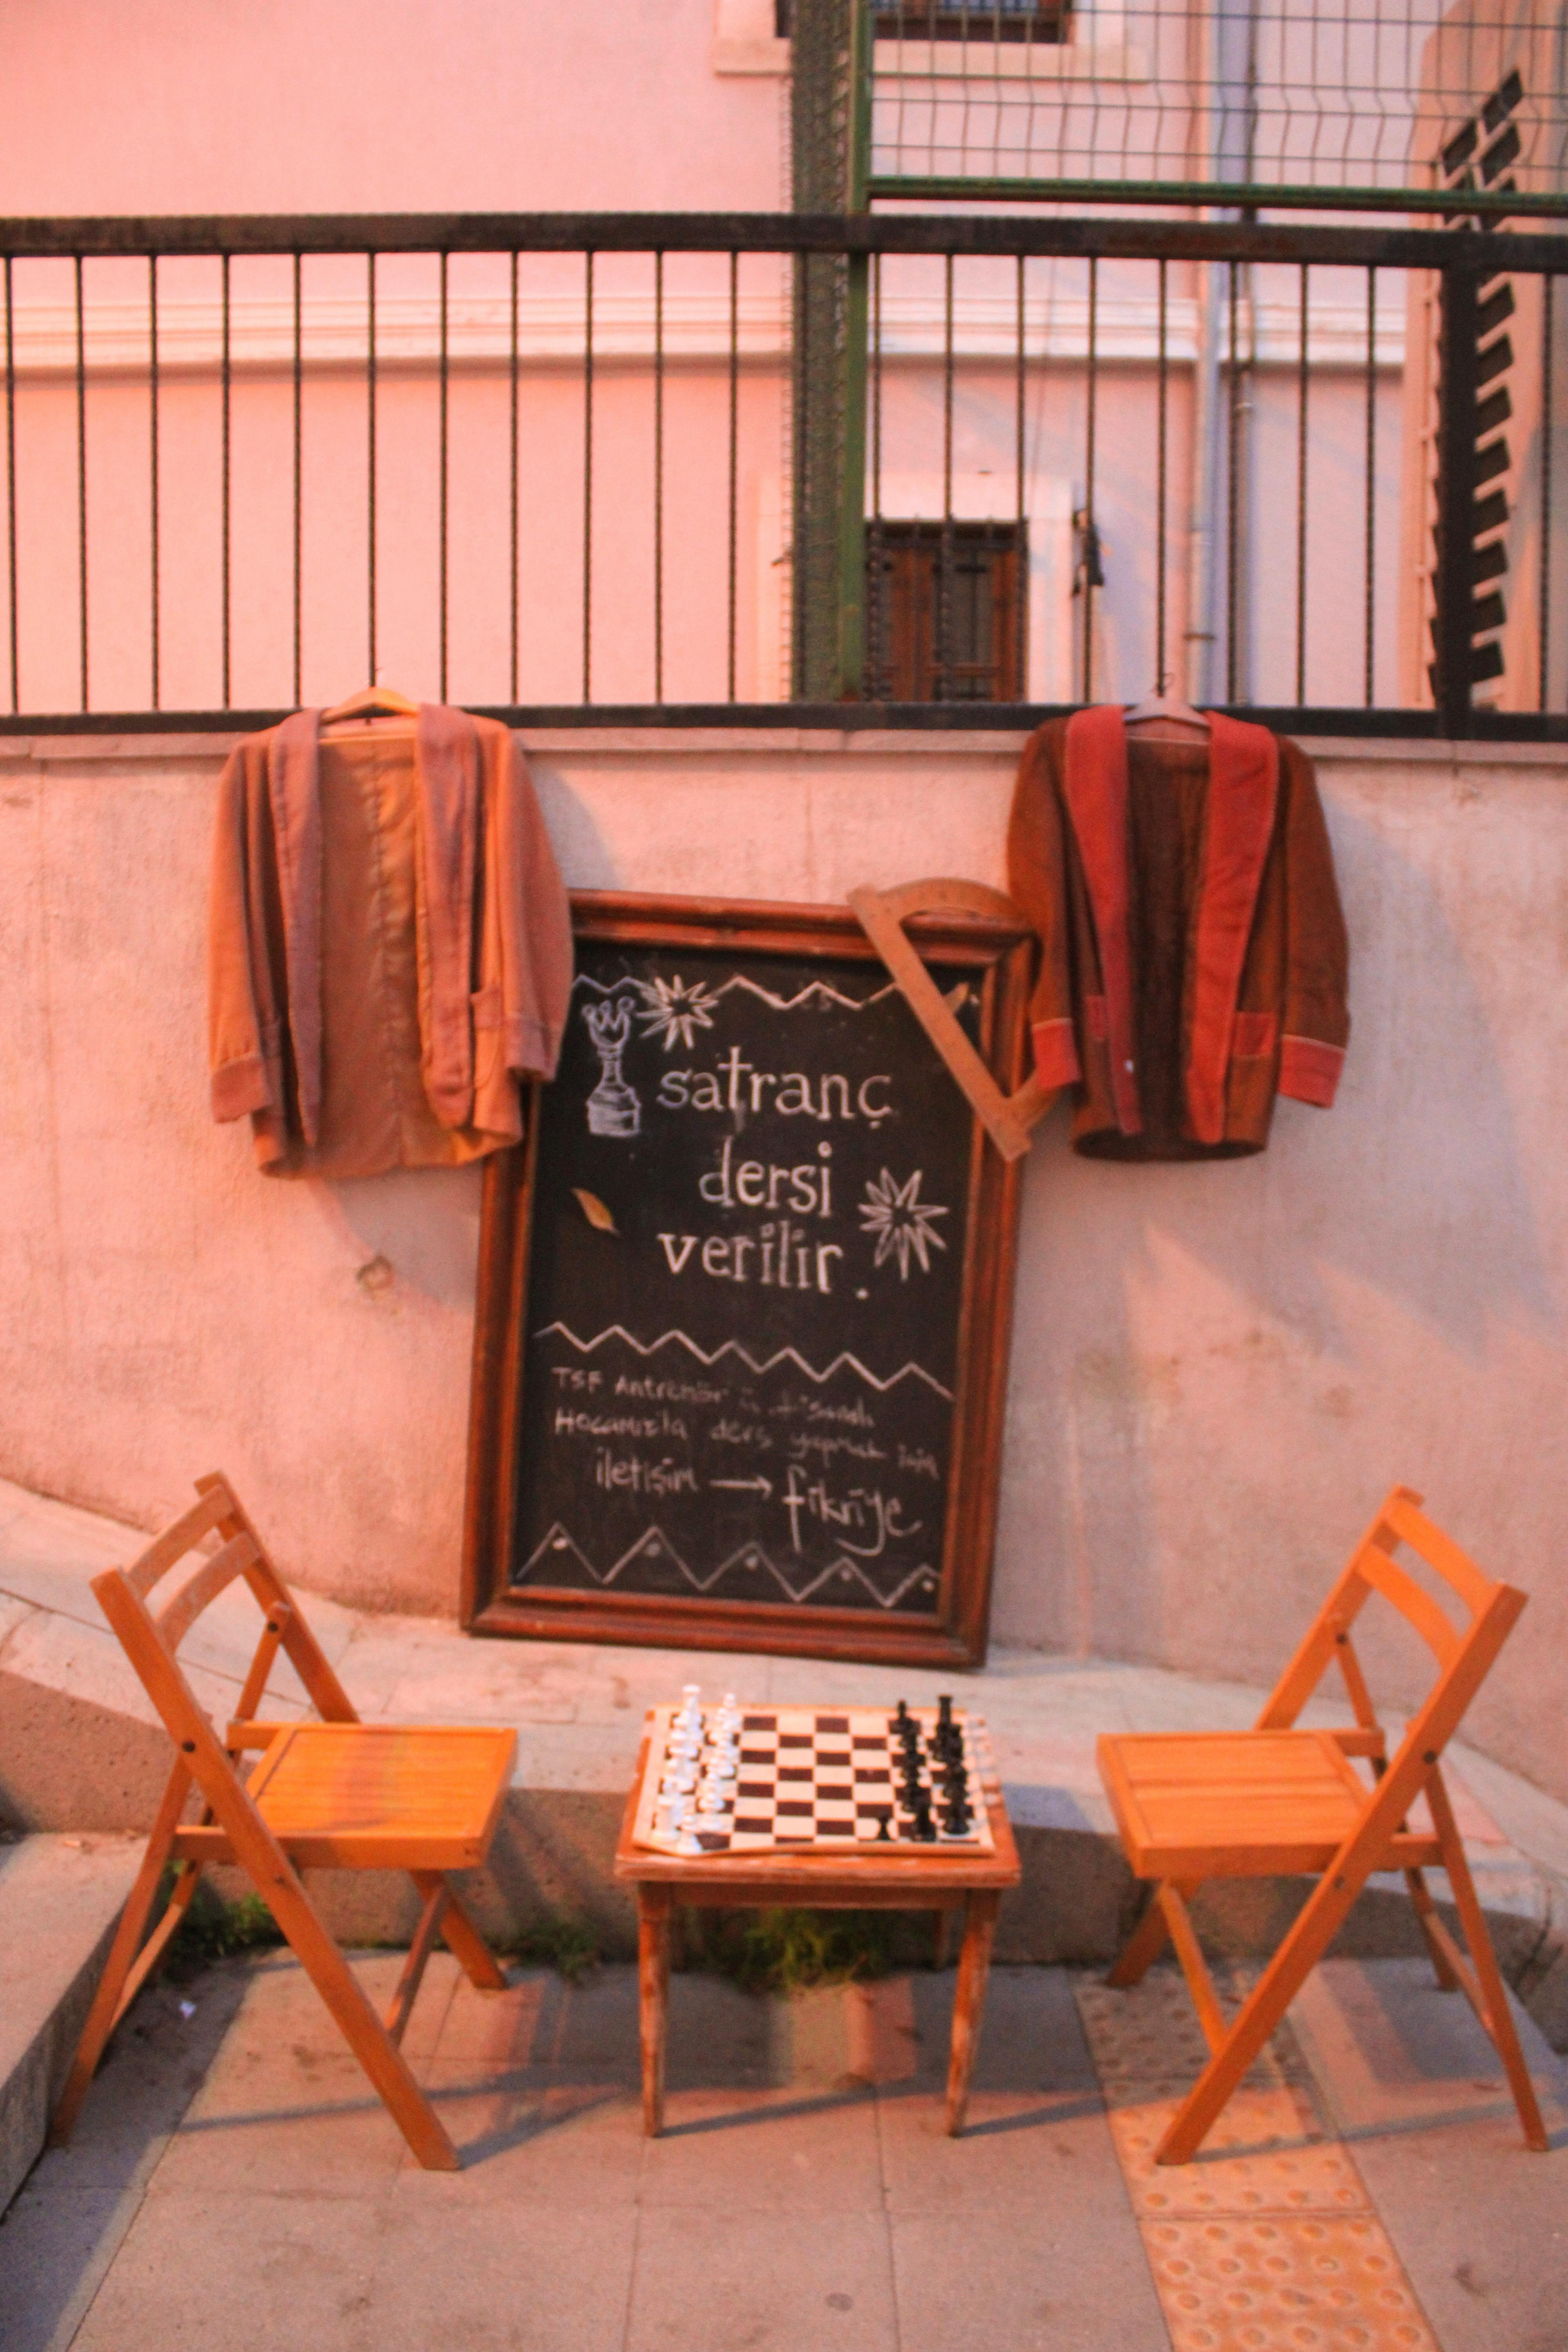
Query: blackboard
744	1296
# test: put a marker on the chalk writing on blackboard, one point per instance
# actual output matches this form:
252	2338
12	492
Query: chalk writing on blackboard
742	1387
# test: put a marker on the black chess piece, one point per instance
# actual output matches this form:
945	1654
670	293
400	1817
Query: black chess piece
884	1832
924	1827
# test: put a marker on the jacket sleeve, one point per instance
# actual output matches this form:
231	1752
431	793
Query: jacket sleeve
535	926
1037	879
1317	1024
242	1056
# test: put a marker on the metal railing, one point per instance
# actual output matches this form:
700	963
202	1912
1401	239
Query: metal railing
540	464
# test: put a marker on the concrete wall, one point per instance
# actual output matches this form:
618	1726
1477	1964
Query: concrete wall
1217	1371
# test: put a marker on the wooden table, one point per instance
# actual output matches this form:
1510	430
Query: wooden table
867	1879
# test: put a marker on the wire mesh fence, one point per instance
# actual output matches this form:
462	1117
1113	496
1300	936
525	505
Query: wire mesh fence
1125	99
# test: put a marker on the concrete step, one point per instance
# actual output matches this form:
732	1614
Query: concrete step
80	1748
60	1898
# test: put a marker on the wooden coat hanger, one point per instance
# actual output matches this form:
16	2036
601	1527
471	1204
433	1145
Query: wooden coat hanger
1166	719
371	702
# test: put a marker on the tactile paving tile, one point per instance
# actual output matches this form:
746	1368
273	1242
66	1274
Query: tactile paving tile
1282	2284
1267	2241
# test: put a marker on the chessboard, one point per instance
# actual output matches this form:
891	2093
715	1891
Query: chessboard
803	1780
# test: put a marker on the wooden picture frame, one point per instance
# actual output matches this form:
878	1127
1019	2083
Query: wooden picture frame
546	1490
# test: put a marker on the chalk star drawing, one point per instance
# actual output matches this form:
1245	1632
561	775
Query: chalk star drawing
903	1222
674	1010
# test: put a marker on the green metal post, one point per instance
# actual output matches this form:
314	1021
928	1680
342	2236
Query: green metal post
851	663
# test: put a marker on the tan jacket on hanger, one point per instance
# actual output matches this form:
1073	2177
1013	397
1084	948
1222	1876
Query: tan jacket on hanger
1194	957
389	945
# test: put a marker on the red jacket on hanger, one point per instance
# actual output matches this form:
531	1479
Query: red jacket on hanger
1194	957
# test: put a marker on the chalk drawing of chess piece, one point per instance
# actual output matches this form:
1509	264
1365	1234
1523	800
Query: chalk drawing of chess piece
614	1107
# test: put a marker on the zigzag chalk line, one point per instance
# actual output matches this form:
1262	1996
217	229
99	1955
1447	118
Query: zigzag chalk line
816	992
734	1348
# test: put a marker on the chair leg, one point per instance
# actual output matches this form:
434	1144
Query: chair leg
1145	1944
1189	1952
1428	1920
364	2031
1314	1930
1492	2008
107	2003
460	1936
419	1951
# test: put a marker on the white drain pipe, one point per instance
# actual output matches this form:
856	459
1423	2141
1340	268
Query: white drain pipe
1226	69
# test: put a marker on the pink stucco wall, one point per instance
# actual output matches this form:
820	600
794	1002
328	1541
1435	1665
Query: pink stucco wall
192	106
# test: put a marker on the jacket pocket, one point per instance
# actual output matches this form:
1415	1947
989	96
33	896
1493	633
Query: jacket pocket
1255	1035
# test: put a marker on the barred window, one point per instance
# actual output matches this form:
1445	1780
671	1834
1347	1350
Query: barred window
945	610
954	20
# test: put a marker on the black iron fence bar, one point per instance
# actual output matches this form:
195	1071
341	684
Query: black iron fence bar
734	450
370	389
1233	477
945	572
1362	245
1370	481
11	487
875	538
1020	597
588	475
1544	591
152	458
445	368
1004	720
1546	490
1302	386
513	395
1090	534
299	488
225	487
82	477
657	480
1160	673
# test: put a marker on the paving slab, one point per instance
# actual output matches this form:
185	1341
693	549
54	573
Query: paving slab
59	1899
67	2223
1479	2222
235	2186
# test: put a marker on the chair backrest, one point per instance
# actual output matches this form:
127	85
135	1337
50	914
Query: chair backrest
150	1636
1464	1651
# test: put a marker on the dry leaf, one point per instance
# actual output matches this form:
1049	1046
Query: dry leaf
593	1208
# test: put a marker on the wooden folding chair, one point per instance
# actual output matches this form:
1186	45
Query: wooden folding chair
336	1794
1192	1806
